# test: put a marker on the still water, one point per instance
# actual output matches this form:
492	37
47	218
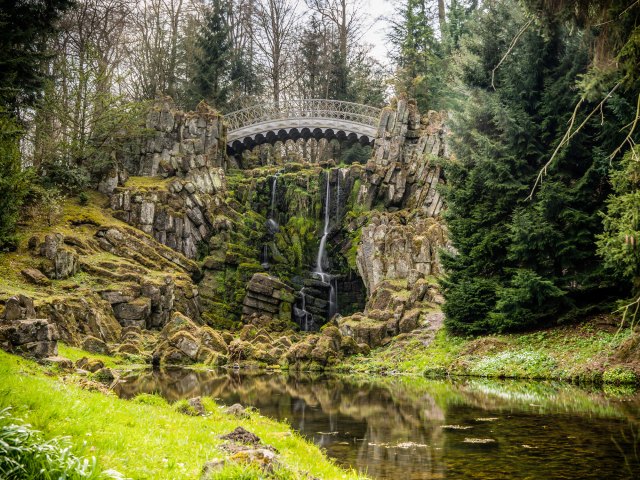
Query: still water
399	428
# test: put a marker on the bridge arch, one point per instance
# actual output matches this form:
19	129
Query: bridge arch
295	119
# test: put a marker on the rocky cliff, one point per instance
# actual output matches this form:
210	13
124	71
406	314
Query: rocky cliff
277	241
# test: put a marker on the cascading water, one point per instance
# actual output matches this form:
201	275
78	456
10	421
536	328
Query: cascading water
272	225
325	277
302	315
338	196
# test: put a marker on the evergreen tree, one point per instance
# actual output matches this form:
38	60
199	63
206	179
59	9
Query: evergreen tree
418	55
520	263
619	244
24	27
13	180
213	63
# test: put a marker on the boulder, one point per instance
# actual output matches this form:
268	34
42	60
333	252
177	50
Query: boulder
18	307
186	343
267	298
95	345
61	262
213	340
90	364
35	276
60	362
34	338
198	407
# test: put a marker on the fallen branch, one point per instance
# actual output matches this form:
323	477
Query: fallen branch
631	130
569	135
513	44
626	309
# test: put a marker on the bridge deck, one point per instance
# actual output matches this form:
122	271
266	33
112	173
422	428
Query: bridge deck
313	114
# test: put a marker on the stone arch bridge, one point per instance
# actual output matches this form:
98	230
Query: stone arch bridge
295	119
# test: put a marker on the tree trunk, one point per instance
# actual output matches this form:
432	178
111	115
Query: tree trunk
442	17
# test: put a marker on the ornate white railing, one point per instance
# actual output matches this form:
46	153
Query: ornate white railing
303	109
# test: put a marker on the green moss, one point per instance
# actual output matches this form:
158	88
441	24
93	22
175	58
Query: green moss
148	183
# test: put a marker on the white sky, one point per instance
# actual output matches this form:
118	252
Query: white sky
376	36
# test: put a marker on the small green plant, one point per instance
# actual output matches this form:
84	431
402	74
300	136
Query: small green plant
150	399
619	376
183	406
24	454
83	199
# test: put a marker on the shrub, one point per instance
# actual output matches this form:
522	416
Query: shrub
467	305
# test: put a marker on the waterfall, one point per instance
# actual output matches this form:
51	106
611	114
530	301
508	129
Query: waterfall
338	197
325	277
264	261
323	240
272	225
301	314
274	186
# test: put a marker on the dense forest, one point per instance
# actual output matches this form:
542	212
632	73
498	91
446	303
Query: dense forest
467	205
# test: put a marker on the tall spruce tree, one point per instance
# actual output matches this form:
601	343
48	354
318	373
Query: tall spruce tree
420	68
213	64
24	28
521	263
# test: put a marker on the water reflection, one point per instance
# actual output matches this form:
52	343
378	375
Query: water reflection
393	428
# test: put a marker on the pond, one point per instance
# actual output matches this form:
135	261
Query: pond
413	428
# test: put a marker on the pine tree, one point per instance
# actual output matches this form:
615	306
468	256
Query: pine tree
13	180
24	27
213	64
418	55
520	262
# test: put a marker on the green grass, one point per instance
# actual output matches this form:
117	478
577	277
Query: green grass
74	354
411	356
575	353
523	363
139	439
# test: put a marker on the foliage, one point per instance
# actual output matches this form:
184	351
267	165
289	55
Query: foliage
519	263
14	181
418	55
213	64
619	244
619	376
25	454
24	28
529	298
516	364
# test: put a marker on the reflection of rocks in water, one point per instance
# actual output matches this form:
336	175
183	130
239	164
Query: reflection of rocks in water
419	429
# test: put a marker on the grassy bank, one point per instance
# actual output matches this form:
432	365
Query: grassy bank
572	353
146	439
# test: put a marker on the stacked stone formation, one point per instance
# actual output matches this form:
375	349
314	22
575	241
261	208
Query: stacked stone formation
266	295
21	333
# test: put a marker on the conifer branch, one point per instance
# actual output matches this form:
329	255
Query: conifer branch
504	57
569	135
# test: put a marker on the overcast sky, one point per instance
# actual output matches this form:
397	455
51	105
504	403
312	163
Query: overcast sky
376	36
